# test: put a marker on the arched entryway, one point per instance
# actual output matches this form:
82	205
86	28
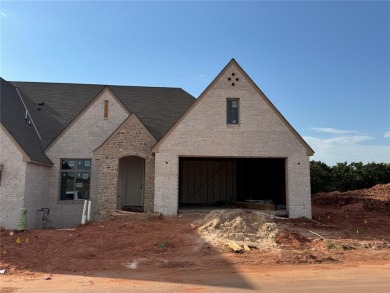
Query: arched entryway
131	183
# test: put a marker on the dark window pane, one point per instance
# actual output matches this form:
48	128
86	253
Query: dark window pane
84	165
82	185
232	111
229	105
75	184
230	117
67	185
234	117
68	164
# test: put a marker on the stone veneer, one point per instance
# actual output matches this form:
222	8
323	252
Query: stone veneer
130	139
203	132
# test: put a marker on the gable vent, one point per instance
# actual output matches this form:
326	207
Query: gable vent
231	78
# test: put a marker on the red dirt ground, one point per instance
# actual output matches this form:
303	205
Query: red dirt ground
128	241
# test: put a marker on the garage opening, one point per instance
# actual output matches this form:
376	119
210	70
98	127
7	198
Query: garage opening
212	182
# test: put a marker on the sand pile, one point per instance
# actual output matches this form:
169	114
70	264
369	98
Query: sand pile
242	226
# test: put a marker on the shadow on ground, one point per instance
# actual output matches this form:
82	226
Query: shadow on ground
158	249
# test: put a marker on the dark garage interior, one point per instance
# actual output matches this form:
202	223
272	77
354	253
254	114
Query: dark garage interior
227	181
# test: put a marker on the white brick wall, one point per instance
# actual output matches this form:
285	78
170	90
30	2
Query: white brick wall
12	182
85	135
36	193
166	178
298	186
260	133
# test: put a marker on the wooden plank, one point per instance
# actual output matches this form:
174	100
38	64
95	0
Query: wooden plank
234	246
246	248
252	205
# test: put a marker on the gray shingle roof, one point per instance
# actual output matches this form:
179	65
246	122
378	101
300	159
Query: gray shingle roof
62	103
157	107
12	116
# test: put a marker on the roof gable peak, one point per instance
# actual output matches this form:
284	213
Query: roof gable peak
234	63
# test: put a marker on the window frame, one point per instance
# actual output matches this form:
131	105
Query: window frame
79	192
230	112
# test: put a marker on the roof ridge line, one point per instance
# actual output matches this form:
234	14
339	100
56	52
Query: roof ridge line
96	84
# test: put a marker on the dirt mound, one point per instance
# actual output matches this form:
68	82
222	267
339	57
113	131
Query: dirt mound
376	198
124	216
354	208
238	225
292	240
152	243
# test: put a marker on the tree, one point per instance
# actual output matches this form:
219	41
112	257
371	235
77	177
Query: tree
344	176
321	177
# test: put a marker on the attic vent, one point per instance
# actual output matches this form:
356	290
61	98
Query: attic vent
230	78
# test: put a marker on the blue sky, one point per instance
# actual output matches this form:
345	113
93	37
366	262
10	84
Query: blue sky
325	65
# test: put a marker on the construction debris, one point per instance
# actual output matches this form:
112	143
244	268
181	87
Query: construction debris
255	204
246	248
170	242
133	265
317	234
235	247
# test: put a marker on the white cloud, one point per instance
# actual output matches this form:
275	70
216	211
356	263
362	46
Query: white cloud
348	149
332	130
4	14
387	134
203	75
348	140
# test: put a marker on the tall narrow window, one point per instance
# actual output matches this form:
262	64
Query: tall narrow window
232	111
75	179
105	109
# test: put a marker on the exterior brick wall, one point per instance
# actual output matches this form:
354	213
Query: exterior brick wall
78	142
203	132
131	139
166	183
36	193
260	134
12	182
